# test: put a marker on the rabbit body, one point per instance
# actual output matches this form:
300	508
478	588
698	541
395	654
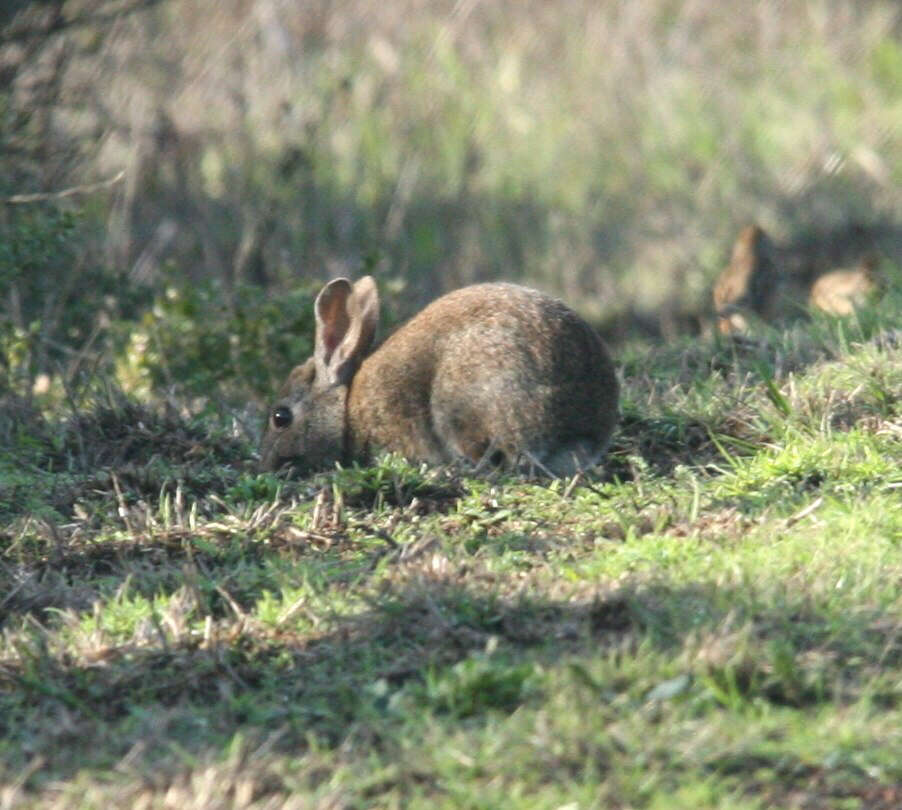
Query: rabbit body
841	292
749	284
492	373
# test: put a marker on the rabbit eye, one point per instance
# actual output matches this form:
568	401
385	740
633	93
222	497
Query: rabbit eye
281	416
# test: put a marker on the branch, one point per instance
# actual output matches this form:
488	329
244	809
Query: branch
66	192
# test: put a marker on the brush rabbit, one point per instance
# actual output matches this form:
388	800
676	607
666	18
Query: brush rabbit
841	292
749	284
496	374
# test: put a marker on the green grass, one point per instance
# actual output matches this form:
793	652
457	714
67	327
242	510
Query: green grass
714	620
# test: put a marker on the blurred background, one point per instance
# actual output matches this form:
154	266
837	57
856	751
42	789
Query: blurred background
245	151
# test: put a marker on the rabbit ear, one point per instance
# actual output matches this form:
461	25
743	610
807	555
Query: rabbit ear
346	319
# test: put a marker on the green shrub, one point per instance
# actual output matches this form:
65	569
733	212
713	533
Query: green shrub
195	339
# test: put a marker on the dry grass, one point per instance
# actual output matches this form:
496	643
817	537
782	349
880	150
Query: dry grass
608	153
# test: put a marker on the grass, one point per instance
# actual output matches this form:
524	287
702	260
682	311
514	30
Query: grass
714	619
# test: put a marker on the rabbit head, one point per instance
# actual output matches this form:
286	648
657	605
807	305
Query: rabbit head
307	423
747	285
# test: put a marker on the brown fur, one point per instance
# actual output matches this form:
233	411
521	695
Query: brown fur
841	292
492	373
749	284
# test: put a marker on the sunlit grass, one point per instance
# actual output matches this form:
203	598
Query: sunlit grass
710	621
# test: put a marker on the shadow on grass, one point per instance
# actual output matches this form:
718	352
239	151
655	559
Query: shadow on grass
49	467
423	648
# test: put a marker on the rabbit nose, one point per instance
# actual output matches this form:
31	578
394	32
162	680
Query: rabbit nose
282	416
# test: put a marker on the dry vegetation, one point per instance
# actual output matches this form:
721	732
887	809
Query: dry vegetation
711	619
608	152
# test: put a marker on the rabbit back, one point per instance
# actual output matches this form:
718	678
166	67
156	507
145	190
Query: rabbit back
493	373
841	292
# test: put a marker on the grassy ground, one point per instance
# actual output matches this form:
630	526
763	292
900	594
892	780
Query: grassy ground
713	620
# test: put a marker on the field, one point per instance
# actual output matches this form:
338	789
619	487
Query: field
715	620
712	618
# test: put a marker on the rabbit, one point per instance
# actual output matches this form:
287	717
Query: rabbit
495	374
748	284
841	292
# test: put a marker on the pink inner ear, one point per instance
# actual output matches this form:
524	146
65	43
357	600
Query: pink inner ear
330	340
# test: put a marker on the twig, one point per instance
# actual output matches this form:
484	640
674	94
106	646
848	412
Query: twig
236	608
40	196
815	504
572	485
381	534
123	507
